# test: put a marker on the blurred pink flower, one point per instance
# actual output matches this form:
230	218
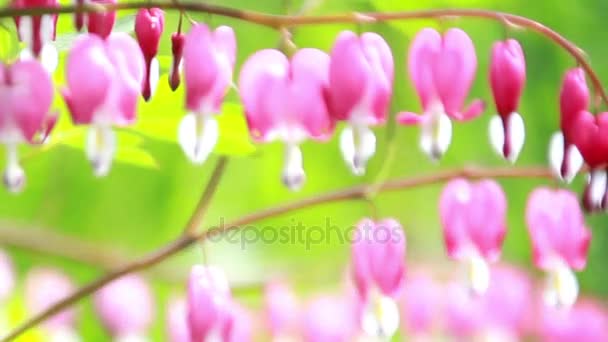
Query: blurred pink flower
421	305
473	216
442	69
101	23
560	240
7	277
44	288
104	80
237	325
26	95
149	26
282	310
285	99
565	159
585	321
206	87
507	80
176	321
329	319
126	307
361	74
463	313
177	50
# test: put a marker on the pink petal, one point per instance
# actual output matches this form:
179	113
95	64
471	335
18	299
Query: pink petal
474	110
282	309
507	75
198	52
380	58
424	50
421	304
176	323
410	119
46	287
224	41
149	26
329	318
101	23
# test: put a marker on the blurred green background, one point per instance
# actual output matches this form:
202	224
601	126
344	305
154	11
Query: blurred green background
152	189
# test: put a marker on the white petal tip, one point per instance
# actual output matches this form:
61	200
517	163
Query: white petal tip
380	319
478	276
198	135
562	288
358	145
508	147
436	137
293	171
100	149
14	179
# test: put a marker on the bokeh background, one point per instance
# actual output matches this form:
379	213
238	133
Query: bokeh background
152	188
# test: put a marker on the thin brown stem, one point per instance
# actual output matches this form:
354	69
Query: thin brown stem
288	21
353	193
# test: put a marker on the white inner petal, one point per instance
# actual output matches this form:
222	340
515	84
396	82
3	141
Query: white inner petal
556	153
380	318
575	162
358	145
49	57
478	274
517	135
26	53
47	28
436	134
597	179
197	135
154	75
14	176
26	29
293	171
497	134
100	148
562	287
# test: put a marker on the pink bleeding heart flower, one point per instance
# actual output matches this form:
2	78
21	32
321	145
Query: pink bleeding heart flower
589	134
421	303
101	23
560	241
507	306
463	313
79	18
104	80
282	310
126	307
586	321
7	277
564	157
360	87
442	69
43	289
38	33
507	80
473	217
177	50
208	302
285	99
329	319
176	321
149	26
378	269
205	87
26	95
237	325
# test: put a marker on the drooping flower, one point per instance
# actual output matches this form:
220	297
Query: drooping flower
463	313
507	80
101	23
586	321
177	50
442	69
149	26
104	80
237	325
285	100
282	310
205	87
38	33
560	241
361	74
378	269
208	302
43	289
26	95
422	300
473	216
176	321
329	318
126	307
564	157
507	306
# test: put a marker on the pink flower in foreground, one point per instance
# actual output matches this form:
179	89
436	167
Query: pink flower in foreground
26	95
208	65
44	288
38	32
101	23
586	321
507	80
463	313
421	304
176	321
560	241
149	26
126	307
237	325
282	310
104	80
285	100
473	216
565	159
360	87
208	302
329	319
442	69
378	267
177	50
7	277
